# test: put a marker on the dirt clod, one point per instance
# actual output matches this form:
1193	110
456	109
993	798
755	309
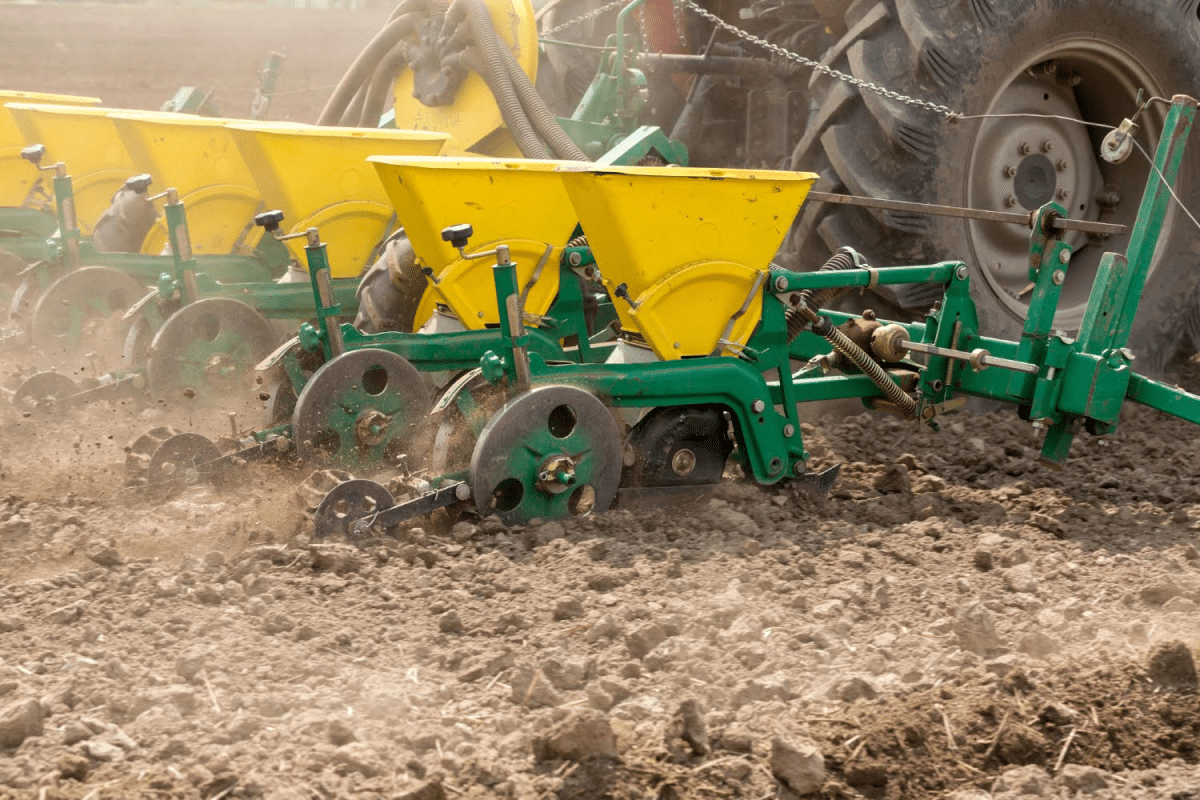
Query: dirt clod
1171	666
799	764
582	735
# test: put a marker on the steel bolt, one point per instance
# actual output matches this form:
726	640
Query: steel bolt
1047	146
1061	165
1058	277
1010	201
1010	172
798	468
781	284
1064	256
1023	148
1061	194
757	406
789	430
575	259
961	272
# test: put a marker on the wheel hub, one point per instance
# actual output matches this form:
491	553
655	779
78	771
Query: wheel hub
1039	144
371	427
557	474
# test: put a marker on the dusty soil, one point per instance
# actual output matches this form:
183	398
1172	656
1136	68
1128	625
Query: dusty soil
137	56
953	621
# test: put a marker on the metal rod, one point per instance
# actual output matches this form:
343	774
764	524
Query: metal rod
1061	223
714	65
979	359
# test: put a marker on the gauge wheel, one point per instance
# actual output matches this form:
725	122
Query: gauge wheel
206	352
364	409
549	453
83	308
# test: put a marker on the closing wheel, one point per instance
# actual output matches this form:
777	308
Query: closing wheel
40	391
179	460
139	453
347	503
362	409
207	351
82	309
551	452
1055	73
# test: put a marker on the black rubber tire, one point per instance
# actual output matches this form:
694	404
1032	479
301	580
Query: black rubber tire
390	290
964	54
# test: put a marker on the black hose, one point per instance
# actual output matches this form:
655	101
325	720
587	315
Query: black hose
353	111
494	72
376	93
364	66
539	113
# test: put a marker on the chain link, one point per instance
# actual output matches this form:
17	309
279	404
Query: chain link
584	17
948	112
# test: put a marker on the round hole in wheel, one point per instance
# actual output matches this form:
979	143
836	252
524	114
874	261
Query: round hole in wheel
341	508
561	421
582	501
374	381
508	494
209	327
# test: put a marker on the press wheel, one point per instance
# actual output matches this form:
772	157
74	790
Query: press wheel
207	351
81	309
40	391
551	452
347	503
360	410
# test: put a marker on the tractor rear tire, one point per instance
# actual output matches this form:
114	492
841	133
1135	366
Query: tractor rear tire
1083	59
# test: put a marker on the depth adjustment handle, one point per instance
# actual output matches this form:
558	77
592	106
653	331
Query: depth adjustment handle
139	183
269	220
34	154
458	235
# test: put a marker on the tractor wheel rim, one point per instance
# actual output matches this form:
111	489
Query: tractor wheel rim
1018	164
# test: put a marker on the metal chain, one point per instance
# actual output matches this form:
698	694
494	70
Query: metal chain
948	112
584	17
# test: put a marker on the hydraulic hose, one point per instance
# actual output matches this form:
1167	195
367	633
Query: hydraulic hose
353	112
377	91
496	75
364	66
539	113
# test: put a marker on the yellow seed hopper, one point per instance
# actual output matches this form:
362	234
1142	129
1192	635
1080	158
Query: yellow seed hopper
319	177
87	141
517	202
691	246
199	157
17	176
